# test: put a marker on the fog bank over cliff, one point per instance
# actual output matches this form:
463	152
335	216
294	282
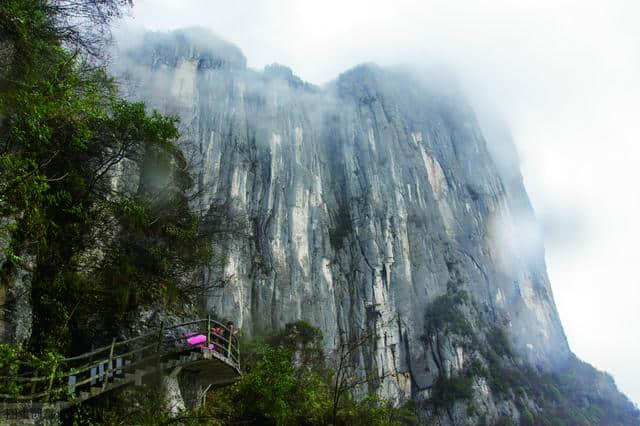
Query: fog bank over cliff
563	77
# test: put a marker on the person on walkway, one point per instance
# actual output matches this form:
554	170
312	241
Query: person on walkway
218	340
230	336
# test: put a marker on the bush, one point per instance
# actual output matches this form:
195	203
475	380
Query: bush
276	391
443	315
373	410
16	361
526	418
498	341
447	390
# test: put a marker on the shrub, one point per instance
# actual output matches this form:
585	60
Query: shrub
447	390
445	316
16	361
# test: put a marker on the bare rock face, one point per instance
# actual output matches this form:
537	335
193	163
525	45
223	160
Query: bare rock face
368	200
15	289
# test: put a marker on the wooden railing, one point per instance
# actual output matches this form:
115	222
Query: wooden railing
126	361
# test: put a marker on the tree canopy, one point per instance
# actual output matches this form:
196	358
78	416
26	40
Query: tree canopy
98	243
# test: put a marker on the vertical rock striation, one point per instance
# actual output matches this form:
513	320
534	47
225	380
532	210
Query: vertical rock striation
366	200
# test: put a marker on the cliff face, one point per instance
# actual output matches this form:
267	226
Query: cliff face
370	202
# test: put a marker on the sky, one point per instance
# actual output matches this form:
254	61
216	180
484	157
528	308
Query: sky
565	77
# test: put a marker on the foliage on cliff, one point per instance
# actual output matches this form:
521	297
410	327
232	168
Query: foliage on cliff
576	394
287	381
100	251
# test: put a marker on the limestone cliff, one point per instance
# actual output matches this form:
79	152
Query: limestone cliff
372	204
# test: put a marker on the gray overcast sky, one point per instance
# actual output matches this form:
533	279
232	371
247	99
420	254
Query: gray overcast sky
564	74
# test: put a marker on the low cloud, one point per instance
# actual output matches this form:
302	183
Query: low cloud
561	74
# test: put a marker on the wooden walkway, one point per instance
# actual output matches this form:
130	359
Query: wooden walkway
125	362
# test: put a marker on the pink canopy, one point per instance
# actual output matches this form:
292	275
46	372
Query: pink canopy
198	340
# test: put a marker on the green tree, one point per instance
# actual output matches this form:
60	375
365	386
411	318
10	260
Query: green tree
285	384
64	132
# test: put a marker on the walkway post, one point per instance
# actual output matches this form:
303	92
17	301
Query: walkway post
208	331
110	365
53	375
